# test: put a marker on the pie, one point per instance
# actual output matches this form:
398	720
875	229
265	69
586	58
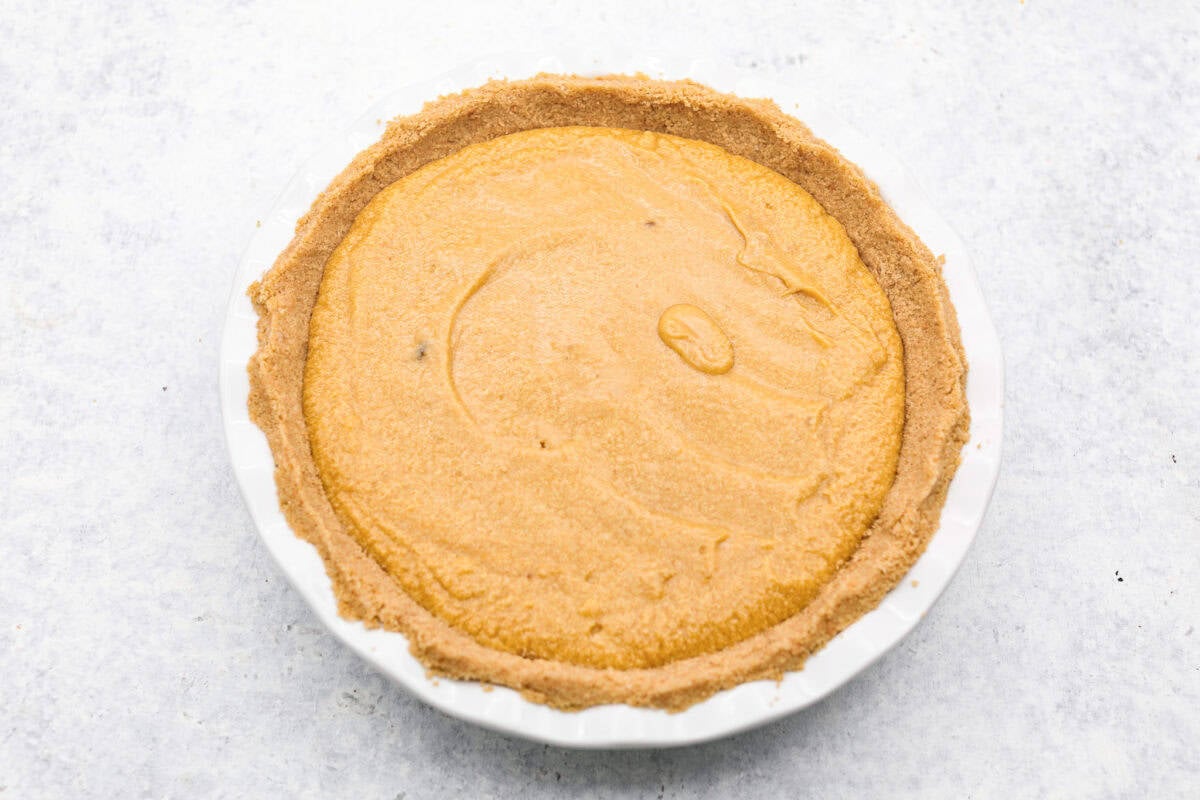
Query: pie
609	390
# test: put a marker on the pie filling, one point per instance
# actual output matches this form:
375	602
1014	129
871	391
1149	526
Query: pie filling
600	396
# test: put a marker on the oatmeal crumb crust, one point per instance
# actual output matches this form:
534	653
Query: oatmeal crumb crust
936	415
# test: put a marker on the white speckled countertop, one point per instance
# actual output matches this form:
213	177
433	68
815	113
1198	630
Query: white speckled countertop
150	648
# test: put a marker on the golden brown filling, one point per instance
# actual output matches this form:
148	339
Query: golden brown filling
603	396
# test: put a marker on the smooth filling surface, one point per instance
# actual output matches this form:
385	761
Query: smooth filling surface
607	397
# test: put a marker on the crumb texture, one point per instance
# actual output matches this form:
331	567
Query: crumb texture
862	360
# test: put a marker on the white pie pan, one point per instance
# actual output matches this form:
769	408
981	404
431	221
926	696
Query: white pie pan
620	726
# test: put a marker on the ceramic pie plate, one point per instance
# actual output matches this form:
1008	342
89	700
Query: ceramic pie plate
620	726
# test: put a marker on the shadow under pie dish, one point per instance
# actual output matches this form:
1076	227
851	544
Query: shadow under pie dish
608	389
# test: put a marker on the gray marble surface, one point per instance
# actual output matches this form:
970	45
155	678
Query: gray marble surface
150	648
